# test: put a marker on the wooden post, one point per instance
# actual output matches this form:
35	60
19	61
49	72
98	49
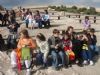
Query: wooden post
69	16
79	16
58	17
95	19
80	20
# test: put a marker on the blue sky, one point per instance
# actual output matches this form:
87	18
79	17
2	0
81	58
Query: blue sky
11	3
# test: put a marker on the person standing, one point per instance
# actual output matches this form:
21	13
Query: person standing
25	45
30	18
12	16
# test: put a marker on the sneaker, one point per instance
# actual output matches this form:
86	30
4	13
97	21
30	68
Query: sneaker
85	62
91	63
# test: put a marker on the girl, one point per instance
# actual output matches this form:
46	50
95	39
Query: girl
86	23
43	49
86	51
38	19
67	45
93	41
13	58
26	44
30	18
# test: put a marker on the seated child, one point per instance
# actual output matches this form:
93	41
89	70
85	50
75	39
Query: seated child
67	45
13	58
87	57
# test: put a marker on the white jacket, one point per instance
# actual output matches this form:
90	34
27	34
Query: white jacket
43	46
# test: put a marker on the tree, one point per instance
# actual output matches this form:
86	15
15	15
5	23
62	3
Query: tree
91	11
74	7
82	9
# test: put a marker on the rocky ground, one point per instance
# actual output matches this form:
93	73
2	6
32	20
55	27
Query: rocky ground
62	24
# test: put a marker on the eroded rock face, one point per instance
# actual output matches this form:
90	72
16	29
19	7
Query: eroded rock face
4	57
11	72
1	73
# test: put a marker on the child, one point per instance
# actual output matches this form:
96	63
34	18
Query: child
86	51
93	41
30	18
86	23
13	58
67	45
43	49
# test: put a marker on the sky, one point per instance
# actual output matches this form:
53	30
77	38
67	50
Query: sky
12	3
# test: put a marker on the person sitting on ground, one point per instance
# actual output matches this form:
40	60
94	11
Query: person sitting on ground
56	49
43	49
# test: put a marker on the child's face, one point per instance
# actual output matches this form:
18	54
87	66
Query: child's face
79	36
70	30
91	33
56	34
66	37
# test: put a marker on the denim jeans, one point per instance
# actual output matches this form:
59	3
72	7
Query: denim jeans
39	58
55	56
39	23
87	55
93	49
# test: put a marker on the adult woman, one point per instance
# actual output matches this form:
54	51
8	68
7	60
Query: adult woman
26	44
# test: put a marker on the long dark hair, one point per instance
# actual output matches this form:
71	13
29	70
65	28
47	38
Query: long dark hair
37	12
41	37
70	27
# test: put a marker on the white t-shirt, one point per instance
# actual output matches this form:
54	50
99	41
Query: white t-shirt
13	58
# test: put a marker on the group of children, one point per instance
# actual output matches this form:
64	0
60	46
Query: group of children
64	49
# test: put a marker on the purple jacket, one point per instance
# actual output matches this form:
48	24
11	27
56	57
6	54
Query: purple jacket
86	24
